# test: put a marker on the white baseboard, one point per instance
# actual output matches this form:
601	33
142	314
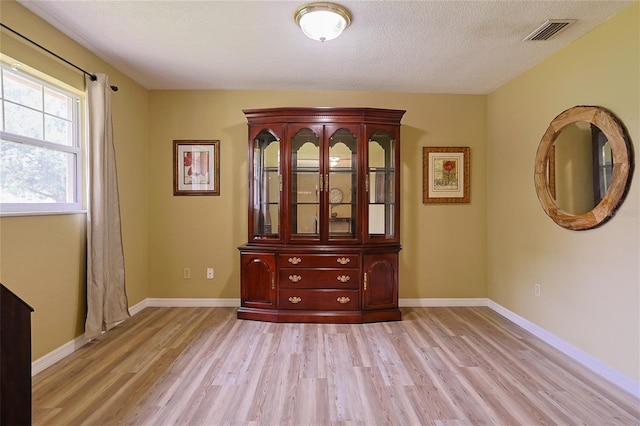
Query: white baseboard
194	303
593	364
583	358
138	307
436	302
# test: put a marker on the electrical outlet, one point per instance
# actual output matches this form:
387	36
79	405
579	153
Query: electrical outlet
536	289
209	273
186	273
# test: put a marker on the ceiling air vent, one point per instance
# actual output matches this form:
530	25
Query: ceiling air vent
549	29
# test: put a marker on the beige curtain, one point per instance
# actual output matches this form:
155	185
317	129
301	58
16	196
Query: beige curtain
107	303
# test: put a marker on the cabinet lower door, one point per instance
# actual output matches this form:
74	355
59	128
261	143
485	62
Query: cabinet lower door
258	280
380	286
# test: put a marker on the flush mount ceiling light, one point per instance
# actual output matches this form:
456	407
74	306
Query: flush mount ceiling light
322	21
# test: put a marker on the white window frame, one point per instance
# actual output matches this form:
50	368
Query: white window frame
75	206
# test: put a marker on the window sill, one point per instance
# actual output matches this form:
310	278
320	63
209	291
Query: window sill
42	213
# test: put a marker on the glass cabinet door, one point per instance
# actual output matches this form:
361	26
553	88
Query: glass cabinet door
382	186
306	185
342	184
266	185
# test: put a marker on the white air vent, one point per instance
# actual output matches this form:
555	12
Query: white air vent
549	29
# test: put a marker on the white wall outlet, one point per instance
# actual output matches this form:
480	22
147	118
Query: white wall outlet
186	273
209	273
536	289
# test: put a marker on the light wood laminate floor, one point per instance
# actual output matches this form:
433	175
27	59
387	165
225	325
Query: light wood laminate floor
438	366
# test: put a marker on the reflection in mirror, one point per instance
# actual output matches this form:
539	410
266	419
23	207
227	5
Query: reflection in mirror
602	166
583	167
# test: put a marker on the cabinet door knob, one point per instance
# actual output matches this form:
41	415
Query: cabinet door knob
343	260
343	299
294	260
343	278
295	299
294	278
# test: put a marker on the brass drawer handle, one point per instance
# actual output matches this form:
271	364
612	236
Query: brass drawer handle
295	299
294	260
343	278
343	260
343	299
294	278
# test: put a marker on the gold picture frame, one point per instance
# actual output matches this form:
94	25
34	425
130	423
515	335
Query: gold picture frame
446	175
196	167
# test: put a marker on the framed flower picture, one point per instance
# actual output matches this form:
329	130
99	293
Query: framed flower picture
196	169
446	175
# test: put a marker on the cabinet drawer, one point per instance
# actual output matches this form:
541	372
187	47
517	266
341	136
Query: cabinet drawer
319	278
330	300
319	260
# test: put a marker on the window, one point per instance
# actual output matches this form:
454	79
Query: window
40	155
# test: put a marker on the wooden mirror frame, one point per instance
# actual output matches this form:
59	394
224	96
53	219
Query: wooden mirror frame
620	177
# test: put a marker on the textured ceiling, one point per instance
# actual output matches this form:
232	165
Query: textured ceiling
468	47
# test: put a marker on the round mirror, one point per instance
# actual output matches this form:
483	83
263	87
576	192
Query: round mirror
583	167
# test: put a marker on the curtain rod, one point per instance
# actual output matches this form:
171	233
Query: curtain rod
92	76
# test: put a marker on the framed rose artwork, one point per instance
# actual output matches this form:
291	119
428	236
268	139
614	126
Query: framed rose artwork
196	169
446	175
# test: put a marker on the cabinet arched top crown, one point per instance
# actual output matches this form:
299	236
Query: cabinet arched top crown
323	115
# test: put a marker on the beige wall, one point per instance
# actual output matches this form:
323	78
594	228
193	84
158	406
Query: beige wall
201	232
42	258
590	280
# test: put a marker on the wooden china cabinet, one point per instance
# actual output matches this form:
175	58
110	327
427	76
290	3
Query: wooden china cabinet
324	215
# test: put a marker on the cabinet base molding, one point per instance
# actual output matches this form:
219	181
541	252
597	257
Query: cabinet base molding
323	317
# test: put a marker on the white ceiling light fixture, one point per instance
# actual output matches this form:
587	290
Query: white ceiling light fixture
322	21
